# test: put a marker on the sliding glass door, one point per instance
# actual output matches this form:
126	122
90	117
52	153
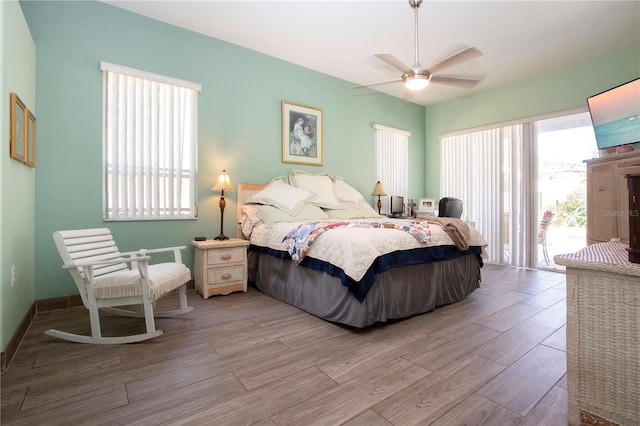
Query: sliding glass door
509	176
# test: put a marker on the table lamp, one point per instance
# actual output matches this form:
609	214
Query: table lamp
223	184
379	191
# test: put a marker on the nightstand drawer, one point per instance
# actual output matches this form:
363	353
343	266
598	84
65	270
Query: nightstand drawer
221	256
226	275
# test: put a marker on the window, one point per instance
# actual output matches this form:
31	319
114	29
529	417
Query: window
149	145
392	162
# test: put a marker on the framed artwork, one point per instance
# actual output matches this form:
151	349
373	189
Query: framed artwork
18	112
426	205
31	139
302	134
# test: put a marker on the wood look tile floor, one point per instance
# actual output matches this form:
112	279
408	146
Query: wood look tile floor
495	358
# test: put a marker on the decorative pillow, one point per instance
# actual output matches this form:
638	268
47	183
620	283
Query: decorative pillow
256	214
270	214
349	211
320	185
294	173
367	210
346	192
283	196
281	179
250	218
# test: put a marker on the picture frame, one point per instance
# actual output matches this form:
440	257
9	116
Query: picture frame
31	139
426	205
302	134
18	114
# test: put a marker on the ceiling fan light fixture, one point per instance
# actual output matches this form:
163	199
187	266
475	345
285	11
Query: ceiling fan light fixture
416	82
416	78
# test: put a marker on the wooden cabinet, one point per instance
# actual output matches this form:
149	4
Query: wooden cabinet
608	196
220	267
633	184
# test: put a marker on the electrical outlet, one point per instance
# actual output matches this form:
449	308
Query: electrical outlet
13	276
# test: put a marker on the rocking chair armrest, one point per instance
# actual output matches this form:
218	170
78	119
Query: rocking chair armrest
82	264
176	252
158	250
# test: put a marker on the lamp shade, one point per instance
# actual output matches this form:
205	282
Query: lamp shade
223	183
378	190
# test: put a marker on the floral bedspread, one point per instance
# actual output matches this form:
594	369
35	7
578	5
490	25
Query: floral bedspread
299	240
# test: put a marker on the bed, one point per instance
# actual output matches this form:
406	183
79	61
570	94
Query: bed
316	244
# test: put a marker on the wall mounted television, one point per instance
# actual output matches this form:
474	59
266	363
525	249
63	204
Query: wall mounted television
615	114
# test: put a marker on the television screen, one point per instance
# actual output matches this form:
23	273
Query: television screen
615	114
397	205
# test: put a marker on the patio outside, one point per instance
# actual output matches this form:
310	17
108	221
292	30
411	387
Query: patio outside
562	185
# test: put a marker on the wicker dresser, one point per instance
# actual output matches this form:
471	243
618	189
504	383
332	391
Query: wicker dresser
603	335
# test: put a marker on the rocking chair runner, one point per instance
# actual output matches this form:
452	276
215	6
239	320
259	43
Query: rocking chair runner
104	280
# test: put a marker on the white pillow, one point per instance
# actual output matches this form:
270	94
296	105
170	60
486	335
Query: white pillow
250	218
281	179
361	210
270	214
346	192
283	196
320	185
366	210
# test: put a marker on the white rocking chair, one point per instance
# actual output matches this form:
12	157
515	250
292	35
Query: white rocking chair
104	280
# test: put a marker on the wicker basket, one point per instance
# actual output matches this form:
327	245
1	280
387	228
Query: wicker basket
603	335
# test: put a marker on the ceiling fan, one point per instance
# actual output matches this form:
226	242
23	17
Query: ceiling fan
416	77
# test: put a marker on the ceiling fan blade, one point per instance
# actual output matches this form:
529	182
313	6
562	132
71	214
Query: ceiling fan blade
457	58
466	83
377	84
391	60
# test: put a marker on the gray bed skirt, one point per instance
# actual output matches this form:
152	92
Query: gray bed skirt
397	293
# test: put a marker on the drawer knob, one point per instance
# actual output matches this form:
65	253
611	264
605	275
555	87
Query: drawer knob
226	256
226	276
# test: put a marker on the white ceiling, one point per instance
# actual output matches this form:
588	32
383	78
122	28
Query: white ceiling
519	39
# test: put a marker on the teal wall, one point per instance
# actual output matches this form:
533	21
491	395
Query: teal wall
17	212
239	122
559	91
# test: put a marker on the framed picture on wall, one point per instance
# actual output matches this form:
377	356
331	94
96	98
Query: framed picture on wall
426	205
18	113
30	139
302	134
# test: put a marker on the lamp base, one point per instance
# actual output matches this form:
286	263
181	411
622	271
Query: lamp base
221	237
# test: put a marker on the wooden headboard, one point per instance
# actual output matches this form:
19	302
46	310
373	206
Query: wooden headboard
245	190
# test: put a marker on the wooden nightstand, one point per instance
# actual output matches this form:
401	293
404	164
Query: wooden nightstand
220	267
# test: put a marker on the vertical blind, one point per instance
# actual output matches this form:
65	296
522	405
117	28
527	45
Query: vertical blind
392	162
470	167
492	171
523	187
150	134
